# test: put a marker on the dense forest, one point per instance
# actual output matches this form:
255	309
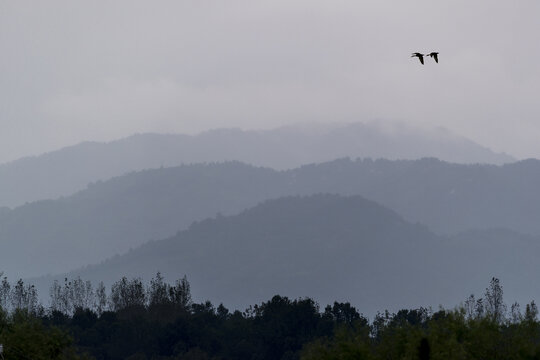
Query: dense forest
158	320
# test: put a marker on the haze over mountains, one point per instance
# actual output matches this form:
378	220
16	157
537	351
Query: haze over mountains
238	143
330	248
63	172
416	232
110	217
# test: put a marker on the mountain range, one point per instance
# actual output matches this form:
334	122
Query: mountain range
68	170
110	217
330	248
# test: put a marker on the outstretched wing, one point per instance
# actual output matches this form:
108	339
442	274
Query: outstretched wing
421	58
435	56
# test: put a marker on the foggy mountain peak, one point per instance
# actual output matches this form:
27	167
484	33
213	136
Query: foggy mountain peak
70	169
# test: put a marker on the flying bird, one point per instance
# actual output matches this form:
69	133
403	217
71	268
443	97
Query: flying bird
419	56
434	55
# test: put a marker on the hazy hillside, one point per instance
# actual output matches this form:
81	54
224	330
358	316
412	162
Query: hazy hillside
449	198
110	217
65	171
331	248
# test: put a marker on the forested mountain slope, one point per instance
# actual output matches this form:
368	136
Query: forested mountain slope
448	198
330	248
110	217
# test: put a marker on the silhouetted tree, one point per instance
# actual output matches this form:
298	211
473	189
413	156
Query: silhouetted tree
531	312
515	313
180	293
24	297
125	293
5	294
101	298
479	308
343	313
470	307
495	307
82	294
158	292
55	293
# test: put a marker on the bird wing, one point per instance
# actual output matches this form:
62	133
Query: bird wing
435	56
421	58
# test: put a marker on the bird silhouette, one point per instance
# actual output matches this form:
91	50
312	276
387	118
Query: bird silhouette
434	55
419	56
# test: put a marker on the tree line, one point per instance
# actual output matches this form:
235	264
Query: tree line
479	328
158	320
77	294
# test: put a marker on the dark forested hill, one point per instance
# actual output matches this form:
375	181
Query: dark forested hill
65	171
110	217
331	248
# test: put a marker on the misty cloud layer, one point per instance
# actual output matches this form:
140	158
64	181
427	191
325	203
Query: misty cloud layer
101	70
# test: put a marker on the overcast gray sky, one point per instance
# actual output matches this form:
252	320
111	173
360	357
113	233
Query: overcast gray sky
100	70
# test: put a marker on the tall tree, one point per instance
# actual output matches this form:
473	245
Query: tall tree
158	292
101	298
495	306
5	294
127	293
180	293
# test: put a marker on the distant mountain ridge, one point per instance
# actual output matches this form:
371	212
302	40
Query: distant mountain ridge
110	217
63	172
330	248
